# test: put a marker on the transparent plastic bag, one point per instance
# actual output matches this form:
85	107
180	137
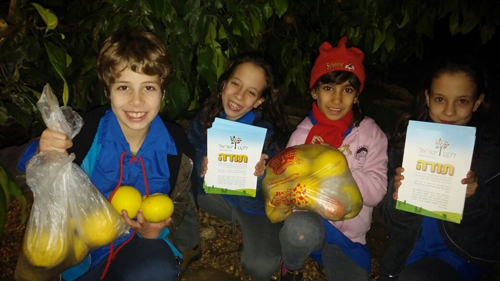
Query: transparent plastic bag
310	177
58	235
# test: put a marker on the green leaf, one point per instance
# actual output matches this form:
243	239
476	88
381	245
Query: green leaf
211	34
190	7
406	19
453	22
268	10
157	7
281	7
390	41
387	22
470	21
15	77
255	26
177	97
57	57
3	118
47	15
219	60
379	39
205	66
4	186
16	191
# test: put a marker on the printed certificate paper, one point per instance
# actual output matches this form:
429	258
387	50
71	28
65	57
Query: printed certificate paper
436	158
233	150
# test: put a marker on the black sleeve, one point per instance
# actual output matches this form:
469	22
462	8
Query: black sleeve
183	147
83	140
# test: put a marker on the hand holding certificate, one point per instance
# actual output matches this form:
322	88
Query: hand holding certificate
233	150
436	158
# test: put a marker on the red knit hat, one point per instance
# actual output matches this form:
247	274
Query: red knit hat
338	58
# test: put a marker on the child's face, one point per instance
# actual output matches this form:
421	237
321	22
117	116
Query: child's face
242	91
452	99
335	100
135	100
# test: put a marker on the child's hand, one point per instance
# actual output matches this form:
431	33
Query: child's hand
53	140
471	182
261	166
204	166
148	230
397	181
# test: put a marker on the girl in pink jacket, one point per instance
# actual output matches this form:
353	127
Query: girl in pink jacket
337	78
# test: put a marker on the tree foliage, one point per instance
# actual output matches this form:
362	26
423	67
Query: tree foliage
57	41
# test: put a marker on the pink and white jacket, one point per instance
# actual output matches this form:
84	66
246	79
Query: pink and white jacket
365	149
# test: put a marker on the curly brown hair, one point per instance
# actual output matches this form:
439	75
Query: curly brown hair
140	50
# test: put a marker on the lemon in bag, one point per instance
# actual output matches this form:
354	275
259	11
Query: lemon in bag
43	248
98	228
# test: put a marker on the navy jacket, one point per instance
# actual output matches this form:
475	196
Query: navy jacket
252	205
476	238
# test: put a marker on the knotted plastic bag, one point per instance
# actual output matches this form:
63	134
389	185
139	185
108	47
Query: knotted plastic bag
69	216
310	177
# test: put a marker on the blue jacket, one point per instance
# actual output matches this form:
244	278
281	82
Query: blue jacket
251	205
165	152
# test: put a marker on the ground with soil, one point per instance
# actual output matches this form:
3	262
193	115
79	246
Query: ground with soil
220	259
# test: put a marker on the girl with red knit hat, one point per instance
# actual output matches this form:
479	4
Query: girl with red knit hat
337	79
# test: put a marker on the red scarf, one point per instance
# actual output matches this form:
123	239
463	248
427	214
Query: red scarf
326	130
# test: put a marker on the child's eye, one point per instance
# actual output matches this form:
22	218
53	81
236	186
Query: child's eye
234	83
150	88
439	99
122	88
327	88
253	94
463	101
349	90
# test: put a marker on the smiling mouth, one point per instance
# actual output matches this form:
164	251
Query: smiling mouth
135	115
233	106
334	110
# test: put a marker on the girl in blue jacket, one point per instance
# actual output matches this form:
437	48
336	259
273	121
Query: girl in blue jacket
247	93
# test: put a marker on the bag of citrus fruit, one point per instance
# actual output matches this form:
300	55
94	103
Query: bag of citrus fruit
64	203
312	177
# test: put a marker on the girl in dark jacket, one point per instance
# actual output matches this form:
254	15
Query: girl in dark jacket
424	248
246	93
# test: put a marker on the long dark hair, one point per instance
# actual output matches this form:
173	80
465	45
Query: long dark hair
481	118
340	77
271	109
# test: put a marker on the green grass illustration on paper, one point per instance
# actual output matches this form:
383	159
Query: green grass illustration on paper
447	216
224	191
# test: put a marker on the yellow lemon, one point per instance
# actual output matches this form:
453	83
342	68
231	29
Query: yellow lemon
80	249
157	207
127	198
355	199
44	249
329	163
98	228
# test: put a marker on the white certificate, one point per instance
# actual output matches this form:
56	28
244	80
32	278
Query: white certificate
436	158
233	151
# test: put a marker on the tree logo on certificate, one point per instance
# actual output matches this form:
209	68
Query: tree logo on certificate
441	144
235	140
